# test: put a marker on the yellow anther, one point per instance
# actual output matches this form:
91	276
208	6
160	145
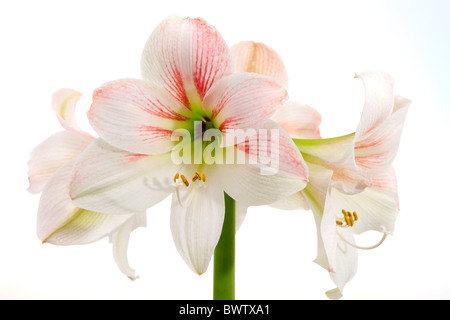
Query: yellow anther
347	220
350	217
176	177
197	176
204	177
186	183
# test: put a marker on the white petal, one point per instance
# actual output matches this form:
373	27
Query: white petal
316	194
111	180
376	206
120	239
52	154
60	222
196	228
296	201
346	261
64	102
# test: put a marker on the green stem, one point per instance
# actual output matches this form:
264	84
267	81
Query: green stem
224	255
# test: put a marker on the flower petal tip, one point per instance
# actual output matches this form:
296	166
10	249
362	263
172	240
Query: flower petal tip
334	294
133	277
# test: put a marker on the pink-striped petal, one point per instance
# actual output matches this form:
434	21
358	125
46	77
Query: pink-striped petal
268	167
299	120
379	100
52	154
107	179
376	150
132	115
257	57
185	57
243	101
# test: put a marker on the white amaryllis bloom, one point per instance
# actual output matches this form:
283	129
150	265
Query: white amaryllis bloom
352	186
187	80
59	221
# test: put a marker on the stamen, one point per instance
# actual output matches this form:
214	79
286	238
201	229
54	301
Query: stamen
204	177
176	177
186	183
197	176
349	219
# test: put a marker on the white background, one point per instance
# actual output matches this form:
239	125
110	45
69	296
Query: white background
46	45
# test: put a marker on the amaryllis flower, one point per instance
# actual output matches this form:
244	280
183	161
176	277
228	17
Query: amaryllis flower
173	132
352	186
59	221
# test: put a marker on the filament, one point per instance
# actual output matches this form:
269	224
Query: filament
364	248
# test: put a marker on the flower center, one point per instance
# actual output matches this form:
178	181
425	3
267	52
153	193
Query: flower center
348	219
197	176
199	180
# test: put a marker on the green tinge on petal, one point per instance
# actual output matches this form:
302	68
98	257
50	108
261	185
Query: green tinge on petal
334	294
84	227
309	145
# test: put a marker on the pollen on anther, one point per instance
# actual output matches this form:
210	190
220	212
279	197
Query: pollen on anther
204	177
350	218
176	177
186	183
347	220
339	223
355	216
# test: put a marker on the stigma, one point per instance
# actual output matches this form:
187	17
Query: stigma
348	219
